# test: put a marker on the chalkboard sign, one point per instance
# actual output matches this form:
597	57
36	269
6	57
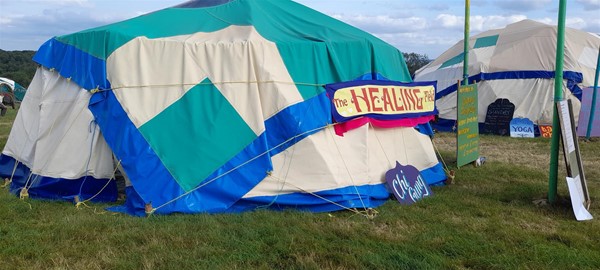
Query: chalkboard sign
498	117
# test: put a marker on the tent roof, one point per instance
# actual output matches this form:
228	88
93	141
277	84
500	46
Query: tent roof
525	46
294	28
277	20
202	3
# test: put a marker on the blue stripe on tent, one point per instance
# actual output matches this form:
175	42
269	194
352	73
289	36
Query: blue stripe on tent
134	204
371	196
218	195
89	72
152	180
42	187
301	120
434	176
573	78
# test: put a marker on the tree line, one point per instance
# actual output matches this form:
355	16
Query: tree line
19	66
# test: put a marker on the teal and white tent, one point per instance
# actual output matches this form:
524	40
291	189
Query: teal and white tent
515	63
209	106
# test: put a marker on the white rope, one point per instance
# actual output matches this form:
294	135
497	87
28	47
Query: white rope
348	170
235	168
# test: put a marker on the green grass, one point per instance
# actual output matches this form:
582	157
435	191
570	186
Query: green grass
485	220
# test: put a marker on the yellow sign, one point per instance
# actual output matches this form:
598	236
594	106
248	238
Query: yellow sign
383	99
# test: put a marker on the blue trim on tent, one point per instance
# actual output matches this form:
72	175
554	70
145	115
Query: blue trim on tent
573	78
42	187
89	73
369	196
142	165
297	120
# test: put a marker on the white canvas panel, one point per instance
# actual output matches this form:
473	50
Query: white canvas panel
588	57
361	157
23	135
164	72
244	66
62	140
483	56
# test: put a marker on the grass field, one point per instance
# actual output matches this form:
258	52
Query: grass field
486	219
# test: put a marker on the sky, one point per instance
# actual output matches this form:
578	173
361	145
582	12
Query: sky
423	26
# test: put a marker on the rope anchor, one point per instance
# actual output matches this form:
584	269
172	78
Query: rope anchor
6	183
24	194
149	209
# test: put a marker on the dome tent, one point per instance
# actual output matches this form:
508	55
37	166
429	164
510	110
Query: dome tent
221	109
515	63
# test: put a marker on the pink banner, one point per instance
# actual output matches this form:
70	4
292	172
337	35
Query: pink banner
342	128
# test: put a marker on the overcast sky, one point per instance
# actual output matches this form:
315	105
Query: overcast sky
423	26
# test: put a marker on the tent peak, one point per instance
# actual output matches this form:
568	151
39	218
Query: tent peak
202	3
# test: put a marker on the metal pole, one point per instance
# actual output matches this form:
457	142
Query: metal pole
558	96
594	96
466	43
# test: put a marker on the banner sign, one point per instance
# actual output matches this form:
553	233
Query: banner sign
407	184
521	128
545	131
467	125
382	100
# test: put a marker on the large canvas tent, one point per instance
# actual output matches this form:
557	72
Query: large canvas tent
515	63
209	106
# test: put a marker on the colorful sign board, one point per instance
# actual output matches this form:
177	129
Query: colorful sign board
521	128
467	125
585	112
382	100
545	131
407	184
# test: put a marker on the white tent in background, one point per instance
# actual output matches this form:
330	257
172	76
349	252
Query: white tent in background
516	63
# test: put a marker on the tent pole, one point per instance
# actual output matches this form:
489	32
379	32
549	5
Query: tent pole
593	109
558	96
466	43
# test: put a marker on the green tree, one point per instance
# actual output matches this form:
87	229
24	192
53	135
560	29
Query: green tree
415	61
17	66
